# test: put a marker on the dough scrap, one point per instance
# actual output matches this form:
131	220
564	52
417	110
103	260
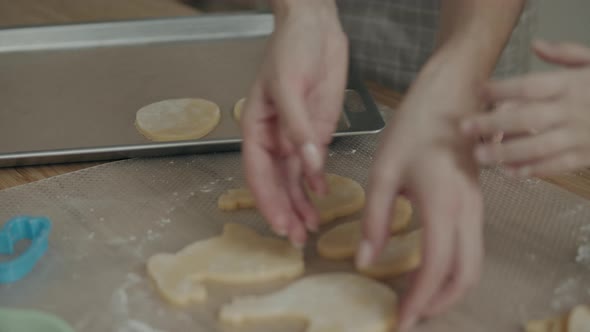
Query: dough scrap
402	254
334	302
238	108
238	256
342	241
577	320
177	119
346	197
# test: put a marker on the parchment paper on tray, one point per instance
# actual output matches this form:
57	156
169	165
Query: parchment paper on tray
109	219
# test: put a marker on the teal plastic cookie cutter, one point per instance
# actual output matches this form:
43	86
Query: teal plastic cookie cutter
35	229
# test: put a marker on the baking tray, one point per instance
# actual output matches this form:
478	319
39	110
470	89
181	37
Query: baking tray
70	93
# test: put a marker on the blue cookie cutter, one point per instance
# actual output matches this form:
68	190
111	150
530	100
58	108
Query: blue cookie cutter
35	229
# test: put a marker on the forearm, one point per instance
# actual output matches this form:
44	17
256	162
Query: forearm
472	35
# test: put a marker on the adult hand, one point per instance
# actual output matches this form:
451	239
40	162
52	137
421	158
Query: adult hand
545	116
423	154
292	112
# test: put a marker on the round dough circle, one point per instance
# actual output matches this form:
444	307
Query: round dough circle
177	119
238	108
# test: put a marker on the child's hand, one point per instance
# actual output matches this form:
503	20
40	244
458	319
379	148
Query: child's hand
545	117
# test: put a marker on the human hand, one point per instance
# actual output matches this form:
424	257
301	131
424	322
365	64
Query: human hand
424	155
292	112
545	116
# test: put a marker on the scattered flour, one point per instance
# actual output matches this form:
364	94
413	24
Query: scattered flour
565	294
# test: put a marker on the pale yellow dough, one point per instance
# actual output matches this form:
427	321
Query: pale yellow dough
346	197
332	302
577	320
238	108
177	119
402	254
238	256
342	241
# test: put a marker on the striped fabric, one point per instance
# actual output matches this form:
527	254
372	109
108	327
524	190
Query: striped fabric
392	39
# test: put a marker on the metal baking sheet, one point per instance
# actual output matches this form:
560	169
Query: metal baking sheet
108	220
70	93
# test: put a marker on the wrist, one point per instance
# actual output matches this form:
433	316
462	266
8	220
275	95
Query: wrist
284	8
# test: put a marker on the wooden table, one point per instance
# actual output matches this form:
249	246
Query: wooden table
33	12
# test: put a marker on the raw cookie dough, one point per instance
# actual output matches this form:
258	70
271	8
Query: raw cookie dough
238	256
402	254
342	241
334	302
577	320
177	119
238	108
345	197
13	320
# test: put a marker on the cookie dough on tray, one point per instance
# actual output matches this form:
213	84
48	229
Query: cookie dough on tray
177	119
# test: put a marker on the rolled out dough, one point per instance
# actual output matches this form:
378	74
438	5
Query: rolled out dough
238	108
342	241
345	197
334	302
238	256
177	119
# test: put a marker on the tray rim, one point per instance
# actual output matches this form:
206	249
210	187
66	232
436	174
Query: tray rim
174	29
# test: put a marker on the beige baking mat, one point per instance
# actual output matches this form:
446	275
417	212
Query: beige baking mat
109	219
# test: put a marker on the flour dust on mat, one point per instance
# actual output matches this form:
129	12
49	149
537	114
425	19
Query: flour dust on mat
177	119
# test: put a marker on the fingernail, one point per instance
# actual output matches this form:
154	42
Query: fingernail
408	324
312	156
482	156
523	172
312	227
467	126
281	226
365	255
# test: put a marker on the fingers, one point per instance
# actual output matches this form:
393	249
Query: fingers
468	257
304	208
514	119
565	54
437	253
527	148
296	122
260	166
536	86
383	188
563	162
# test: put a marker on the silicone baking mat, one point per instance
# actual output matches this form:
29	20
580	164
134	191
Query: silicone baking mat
109	219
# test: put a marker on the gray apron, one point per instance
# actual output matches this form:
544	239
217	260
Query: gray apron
392	39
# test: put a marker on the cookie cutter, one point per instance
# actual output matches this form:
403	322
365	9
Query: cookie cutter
35	229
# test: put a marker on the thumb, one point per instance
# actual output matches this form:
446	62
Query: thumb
565	54
295	120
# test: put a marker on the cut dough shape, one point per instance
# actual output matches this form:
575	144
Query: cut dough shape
345	197
577	320
238	256
558	324
402	254
177	119
334	302
238	108
342	241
